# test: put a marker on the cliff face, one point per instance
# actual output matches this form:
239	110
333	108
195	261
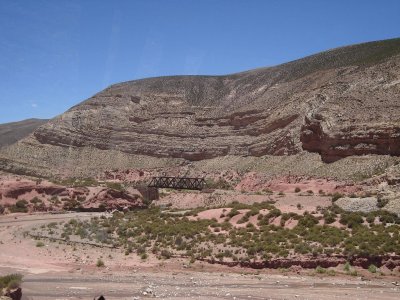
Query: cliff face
338	103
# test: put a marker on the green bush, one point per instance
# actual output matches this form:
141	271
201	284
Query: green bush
308	220
20	206
11	281
115	185
372	268
336	196
351	219
347	267
166	254
382	202
100	263
221	184
39	244
21	203
233	212
35	200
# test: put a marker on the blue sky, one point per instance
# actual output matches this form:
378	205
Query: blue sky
55	54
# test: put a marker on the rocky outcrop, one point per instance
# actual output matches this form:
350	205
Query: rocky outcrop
15	294
339	103
25	195
390	262
25	189
110	199
344	140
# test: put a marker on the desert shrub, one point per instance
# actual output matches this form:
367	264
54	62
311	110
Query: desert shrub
226	226
243	219
388	217
253	211
268	191
54	199
233	212
35	200
220	183
297	190
2	209
21	203
382	202
115	185
351	219
308	220
80	198
79	182
166	254
370	218
281	193
100	263
329	217
302	248
372	268
11	281
330	272
347	267
353	273
273	213
320	270
336	196
20	206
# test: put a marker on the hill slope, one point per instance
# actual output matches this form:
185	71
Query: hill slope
13	132
339	103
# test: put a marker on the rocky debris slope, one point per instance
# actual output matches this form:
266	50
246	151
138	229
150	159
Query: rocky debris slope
10	133
321	103
26	195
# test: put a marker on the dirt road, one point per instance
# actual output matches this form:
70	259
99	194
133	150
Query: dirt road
204	285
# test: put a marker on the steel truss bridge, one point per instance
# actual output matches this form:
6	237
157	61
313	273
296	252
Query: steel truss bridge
178	183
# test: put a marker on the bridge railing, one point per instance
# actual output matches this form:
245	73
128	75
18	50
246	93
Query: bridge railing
179	183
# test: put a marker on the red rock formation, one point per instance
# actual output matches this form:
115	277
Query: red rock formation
342	141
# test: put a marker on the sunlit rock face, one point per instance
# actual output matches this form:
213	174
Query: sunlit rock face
339	103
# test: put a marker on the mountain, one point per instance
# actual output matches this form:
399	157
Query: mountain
15	131
317	115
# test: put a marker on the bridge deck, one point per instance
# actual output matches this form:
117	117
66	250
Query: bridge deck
179	183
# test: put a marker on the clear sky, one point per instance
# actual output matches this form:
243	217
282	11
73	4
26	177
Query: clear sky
55	54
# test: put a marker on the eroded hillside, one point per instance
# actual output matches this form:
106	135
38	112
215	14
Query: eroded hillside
339	103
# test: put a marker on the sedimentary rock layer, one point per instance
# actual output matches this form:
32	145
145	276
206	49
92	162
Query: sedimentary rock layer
338	103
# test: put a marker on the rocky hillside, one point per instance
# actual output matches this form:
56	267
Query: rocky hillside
13	132
339	103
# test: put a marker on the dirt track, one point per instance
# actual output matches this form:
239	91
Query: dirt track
52	273
185	285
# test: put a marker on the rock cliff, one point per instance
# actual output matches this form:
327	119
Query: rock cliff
338	103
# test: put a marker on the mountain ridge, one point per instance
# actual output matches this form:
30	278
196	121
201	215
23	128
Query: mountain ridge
12	132
318	104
